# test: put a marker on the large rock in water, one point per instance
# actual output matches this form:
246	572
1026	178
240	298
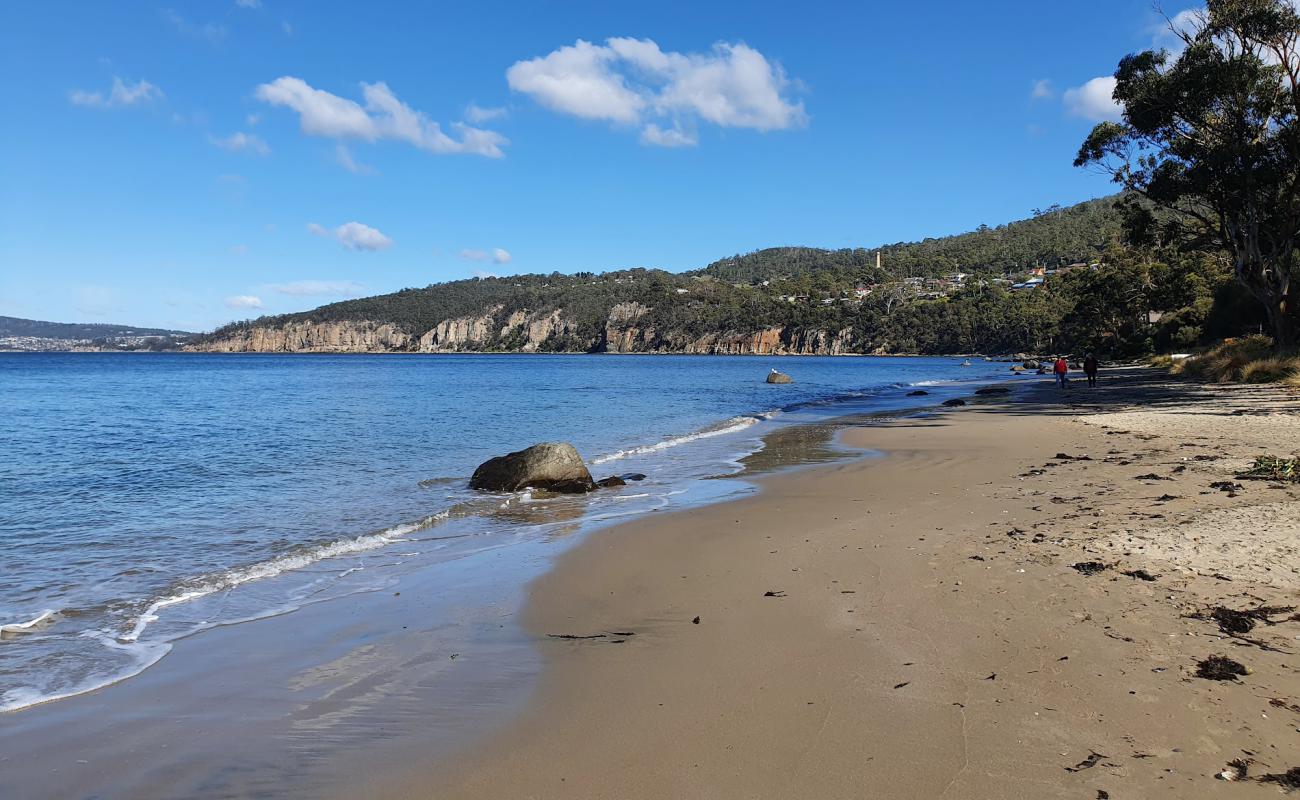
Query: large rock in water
778	377
553	466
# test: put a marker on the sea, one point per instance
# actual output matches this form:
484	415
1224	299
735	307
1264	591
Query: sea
146	498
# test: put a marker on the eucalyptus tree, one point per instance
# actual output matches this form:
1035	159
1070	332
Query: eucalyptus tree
1209	145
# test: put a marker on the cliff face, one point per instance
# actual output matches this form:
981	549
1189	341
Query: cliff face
626	329
312	337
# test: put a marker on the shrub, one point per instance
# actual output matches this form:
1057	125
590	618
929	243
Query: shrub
1249	359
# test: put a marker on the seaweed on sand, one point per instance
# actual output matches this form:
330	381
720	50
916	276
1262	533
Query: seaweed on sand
1289	780
1089	567
1236	622
1220	668
1140	574
1273	468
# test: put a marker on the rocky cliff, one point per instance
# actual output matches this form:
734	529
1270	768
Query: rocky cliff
627	329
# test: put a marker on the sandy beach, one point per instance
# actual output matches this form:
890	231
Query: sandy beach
910	625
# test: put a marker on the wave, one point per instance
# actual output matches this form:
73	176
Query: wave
733	425
144	656
231	578
40	621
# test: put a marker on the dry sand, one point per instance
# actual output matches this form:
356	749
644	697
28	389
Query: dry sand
910	626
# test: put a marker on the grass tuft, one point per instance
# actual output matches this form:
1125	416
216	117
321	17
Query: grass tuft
1246	360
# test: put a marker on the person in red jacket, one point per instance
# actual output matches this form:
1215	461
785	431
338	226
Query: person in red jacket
1061	368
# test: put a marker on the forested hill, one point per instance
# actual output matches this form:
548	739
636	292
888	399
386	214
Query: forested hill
1052	237
15	326
983	291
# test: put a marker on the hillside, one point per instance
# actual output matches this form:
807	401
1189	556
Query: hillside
36	335
790	300
1053	237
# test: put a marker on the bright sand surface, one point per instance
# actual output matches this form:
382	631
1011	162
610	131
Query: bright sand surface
909	626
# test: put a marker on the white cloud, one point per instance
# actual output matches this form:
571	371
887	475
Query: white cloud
344	158
478	114
500	256
474	255
211	31
353	236
242	142
1042	90
243	301
633	82
121	94
286	27
252	119
383	117
314	288
249	3
1094	100
669	137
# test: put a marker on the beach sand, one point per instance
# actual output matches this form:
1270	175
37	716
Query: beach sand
910	625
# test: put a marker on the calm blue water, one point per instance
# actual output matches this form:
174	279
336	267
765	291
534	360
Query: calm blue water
147	497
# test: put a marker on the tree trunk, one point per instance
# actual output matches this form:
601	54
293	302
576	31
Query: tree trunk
1284	326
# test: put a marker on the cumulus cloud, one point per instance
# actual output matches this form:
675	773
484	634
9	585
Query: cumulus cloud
474	255
500	256
120	95
478	114
317	288
243	301
1094	100
383	116
1042	90
633	82
242	142
353	236
344	158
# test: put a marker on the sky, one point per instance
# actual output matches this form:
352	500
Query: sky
184	164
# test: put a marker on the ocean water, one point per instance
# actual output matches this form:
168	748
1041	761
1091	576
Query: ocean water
147	497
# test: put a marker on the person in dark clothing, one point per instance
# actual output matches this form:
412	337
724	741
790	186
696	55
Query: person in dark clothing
1090	369
1061	369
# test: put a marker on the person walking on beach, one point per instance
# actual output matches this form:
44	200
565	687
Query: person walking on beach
1090	368
1062	367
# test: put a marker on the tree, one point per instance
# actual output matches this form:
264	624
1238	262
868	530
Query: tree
1211	142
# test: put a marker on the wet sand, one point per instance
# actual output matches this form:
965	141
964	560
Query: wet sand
910	626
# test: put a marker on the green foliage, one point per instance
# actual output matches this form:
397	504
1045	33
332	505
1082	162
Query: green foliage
1053	237
1212	139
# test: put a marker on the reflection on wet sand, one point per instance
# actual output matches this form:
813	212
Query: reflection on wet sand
803	445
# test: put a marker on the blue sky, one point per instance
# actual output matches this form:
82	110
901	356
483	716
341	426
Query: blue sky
185	164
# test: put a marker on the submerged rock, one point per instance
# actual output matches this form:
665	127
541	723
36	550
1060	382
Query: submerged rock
778	377
956	401
553	466
611	482
917	393
993	390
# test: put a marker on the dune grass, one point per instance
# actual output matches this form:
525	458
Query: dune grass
1249	359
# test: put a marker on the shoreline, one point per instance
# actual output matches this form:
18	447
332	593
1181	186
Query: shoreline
467	661
900	594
